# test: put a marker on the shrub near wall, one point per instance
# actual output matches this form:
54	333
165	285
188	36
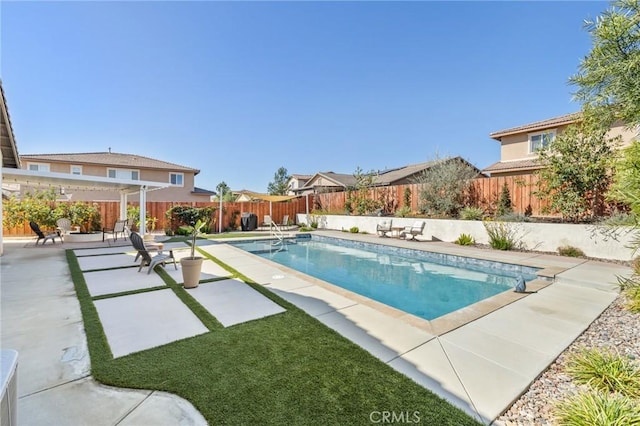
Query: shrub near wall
544	237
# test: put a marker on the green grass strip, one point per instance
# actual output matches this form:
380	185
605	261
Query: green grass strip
128	293
283	369
97	340
199	311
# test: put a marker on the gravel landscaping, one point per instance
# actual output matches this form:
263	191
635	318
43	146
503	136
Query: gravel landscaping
616	329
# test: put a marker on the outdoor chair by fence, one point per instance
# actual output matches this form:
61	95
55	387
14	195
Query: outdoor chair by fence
147	260
128	226
118	228
285	222
41	235
64	227
267	222
410	232
383	228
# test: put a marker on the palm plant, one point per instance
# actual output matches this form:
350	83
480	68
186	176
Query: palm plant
194	231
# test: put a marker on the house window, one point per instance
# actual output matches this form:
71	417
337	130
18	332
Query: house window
540	140
38	167
123	174
176	179
76	170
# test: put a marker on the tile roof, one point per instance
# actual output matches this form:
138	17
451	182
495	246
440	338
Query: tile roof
110	159
518	165
202	191
538	125
382	178
340	178
387	177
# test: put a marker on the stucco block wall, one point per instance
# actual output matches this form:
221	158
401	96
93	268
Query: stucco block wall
544	237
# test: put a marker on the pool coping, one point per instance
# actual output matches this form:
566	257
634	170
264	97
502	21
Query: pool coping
437	326
481	366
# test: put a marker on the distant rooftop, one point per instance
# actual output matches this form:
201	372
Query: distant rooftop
538	125
109	159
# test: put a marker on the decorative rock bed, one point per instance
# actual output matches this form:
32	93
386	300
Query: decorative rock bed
616	329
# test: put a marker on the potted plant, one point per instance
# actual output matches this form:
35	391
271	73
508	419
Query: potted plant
192	265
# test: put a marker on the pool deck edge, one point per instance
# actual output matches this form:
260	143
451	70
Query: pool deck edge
446	355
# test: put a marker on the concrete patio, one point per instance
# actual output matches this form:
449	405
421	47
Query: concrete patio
481	366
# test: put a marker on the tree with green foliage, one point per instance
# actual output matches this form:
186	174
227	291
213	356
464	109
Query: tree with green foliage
504	202
358	195
223	188
608	78
444	186
279	184
608	82
626	182
37	206
576	169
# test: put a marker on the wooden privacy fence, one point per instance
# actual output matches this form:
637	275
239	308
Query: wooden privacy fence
484	193
110	212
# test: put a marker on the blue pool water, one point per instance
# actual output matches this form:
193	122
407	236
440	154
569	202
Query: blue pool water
403	279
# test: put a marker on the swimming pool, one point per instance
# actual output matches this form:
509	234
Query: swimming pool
424	284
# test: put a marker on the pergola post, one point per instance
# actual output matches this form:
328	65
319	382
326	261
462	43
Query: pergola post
123	205
143	210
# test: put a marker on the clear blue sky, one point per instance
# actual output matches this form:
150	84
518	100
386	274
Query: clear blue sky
239	89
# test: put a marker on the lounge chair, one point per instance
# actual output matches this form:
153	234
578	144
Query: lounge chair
118	228
64	227
411	231
148	260
384	227
41	236
285	222
267	222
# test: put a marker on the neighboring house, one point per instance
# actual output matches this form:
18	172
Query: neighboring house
295	182
518	145
120	166
243	196
334	182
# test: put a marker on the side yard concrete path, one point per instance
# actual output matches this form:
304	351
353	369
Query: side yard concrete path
41	319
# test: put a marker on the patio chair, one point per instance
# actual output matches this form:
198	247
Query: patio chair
64	227
41	236
285	222
118	228
384	227
411	231
148	260
267	222
128	226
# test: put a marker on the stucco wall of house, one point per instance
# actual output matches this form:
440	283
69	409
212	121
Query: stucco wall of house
516	147
544	237
174	193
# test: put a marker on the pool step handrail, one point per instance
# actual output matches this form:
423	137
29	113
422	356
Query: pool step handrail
278	232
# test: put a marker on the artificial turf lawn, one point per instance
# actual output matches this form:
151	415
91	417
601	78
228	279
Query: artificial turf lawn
284	369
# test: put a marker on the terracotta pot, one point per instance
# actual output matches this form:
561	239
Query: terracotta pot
191	268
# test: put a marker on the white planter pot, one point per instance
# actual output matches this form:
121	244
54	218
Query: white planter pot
191	271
